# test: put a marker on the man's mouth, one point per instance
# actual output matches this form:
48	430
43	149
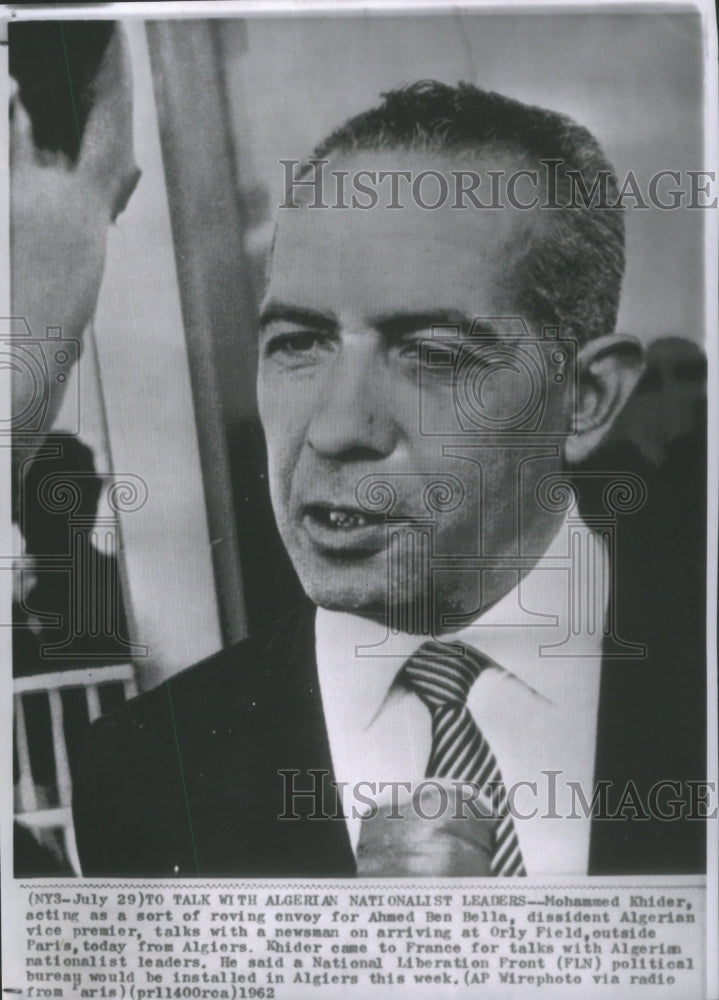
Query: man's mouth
342	518
341	528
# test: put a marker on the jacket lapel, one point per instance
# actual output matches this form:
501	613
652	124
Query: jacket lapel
258	767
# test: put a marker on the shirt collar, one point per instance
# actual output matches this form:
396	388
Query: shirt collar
526	632
358	661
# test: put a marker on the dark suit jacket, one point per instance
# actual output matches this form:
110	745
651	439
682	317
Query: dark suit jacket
184	780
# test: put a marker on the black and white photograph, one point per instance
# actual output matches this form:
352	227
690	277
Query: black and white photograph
360	545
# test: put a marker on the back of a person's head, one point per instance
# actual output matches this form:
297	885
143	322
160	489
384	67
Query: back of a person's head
55	64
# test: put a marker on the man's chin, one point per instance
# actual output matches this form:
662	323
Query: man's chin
369	599
356	585
348	598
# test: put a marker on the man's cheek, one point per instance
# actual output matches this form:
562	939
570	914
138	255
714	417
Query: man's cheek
282	467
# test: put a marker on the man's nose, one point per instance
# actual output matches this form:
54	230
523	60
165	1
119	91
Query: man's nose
352	420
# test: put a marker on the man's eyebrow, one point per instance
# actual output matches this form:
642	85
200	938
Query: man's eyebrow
277	311
401	323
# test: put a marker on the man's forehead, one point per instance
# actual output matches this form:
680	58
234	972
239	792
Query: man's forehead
402	173
403	254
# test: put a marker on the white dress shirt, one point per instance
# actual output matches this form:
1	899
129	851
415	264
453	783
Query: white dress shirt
537	707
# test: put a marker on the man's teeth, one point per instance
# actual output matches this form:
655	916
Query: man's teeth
344	519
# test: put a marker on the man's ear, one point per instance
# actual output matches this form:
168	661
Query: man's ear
609	368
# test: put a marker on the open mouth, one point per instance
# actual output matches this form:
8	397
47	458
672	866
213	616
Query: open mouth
344	532
342	519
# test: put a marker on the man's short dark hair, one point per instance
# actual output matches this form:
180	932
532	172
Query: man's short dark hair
55	64
571	272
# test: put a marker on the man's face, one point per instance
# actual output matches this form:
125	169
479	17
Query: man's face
346	392
60	214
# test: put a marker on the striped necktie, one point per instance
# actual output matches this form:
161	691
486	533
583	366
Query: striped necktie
442	677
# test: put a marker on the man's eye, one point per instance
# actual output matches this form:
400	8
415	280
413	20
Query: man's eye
297	348
445	361
430	354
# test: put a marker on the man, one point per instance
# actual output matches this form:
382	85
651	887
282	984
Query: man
427	368
73	171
